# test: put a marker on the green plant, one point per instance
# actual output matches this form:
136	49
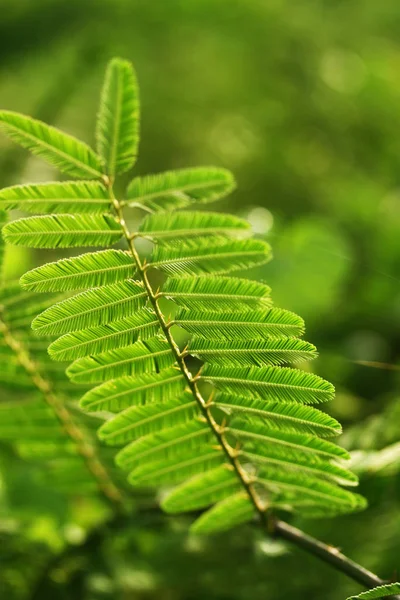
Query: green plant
237	435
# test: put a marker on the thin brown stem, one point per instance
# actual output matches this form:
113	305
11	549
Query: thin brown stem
328	554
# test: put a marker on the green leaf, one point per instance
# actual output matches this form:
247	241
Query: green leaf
59	149
239	326
264	434
181	225
175	441
110	336
97	306
307	490
176	189
66	197
138	421
202	490
234	510
382	591
286	458
63	231
251	351
117	129
118	394
285	416
176	469
88	270
217	293
203	256
271	383
142	357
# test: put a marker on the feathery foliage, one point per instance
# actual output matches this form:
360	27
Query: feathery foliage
237	435
118	122
63	151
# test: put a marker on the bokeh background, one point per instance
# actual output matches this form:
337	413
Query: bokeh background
301	100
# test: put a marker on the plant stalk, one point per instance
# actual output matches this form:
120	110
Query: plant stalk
276	528
328	554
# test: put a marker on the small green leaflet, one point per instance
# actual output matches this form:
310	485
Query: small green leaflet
181	225
271	383
96	306
204	256
63	231
121	393
58	148
117	131
109	336
230	512
145	356
229	294
66	197
202	490
177	189
88	270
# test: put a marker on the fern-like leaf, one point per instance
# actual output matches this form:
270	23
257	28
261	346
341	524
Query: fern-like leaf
202	491
142	357
118	121
121	393
271	383
181	225
206	256
265	324
110	336
89	270
226	514
177	189
257	352
217	293
63	231
261	433
66	197
175	469
286	416
97	306
237	432
171	442
306	489
60	149
138	421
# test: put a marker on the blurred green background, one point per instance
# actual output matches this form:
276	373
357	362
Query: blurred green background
301	100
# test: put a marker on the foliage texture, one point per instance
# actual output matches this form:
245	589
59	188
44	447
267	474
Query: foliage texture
238	436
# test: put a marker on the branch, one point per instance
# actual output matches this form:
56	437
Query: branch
328	554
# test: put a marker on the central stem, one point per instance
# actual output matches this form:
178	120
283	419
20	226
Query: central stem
277	528
204	408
